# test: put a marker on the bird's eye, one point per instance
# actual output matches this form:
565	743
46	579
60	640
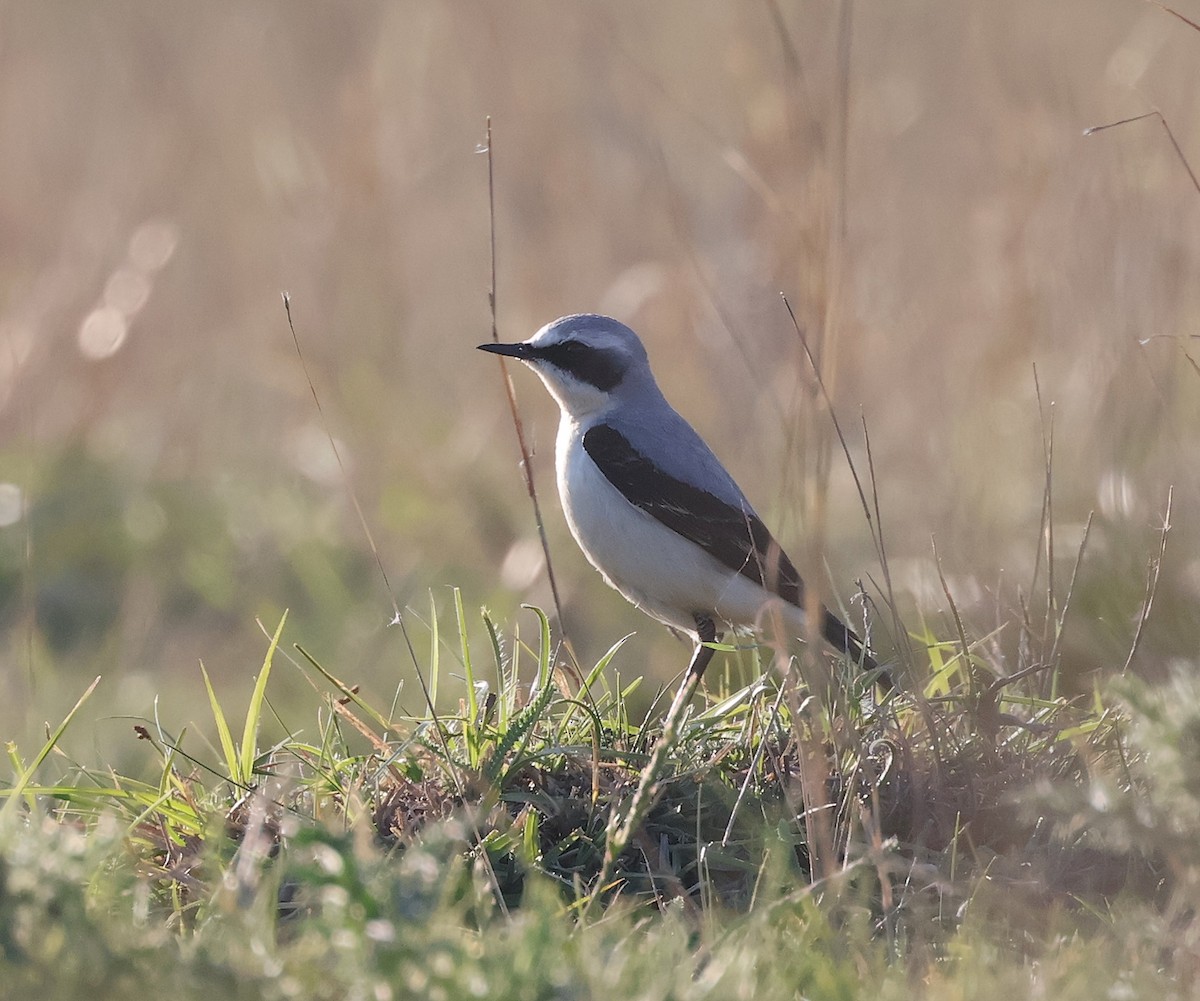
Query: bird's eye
599	367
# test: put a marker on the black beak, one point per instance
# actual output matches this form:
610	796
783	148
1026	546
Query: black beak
509	350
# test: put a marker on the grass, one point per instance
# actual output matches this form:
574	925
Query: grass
957	841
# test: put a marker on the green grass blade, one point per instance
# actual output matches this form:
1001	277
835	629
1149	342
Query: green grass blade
347	692
595	673
14	794
519	731
254	712
227	748
507	681
435	650
468	669
172	752
544	654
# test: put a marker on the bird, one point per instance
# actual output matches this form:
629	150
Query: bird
651	506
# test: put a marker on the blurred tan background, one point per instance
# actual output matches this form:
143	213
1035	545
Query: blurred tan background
167	170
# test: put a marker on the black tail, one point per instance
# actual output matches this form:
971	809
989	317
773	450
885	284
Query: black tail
844	640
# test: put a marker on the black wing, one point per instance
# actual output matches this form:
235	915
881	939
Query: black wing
735	536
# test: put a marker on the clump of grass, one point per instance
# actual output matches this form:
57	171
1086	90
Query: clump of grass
964	818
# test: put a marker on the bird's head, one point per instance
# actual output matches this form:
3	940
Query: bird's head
587	361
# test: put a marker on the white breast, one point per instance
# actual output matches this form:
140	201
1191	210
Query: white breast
661	572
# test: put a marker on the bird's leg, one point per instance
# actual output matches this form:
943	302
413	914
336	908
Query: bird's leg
706	632
621	831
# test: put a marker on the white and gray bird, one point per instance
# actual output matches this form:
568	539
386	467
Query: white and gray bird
649	504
